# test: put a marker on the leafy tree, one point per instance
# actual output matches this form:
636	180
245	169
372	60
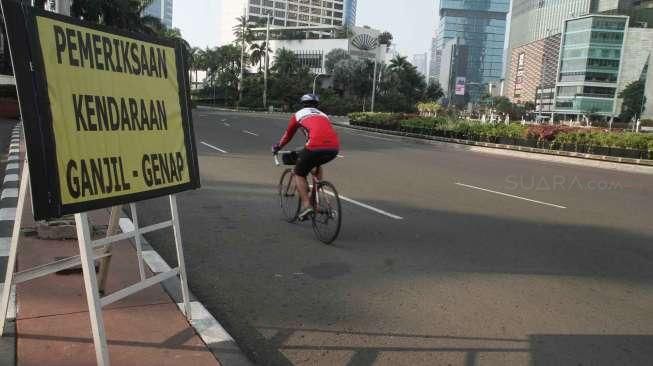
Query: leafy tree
529	106
633	96
385	38
503	105
433	92
289	79
123	14
333	57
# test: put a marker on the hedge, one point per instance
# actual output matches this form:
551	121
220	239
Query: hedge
591	141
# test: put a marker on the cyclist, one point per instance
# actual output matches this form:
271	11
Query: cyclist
321	147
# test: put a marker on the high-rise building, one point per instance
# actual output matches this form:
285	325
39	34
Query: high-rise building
286	13
481	27
434	62
600	56
420	61
535	29
161	9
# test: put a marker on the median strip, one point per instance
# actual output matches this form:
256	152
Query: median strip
511	196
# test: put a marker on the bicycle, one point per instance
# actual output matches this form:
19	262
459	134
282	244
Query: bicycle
324	198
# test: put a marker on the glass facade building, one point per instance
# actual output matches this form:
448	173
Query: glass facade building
161	9
590	65
479	25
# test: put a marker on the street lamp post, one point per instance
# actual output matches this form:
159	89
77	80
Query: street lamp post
376	66
242	58
315	81
267	63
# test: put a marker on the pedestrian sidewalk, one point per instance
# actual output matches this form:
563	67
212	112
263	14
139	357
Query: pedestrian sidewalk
52	322
52	325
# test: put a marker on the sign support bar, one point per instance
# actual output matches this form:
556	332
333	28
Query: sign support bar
92	293
91	250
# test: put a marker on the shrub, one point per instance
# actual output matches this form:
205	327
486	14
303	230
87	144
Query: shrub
381	120
422	122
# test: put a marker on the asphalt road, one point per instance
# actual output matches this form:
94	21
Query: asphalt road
474	259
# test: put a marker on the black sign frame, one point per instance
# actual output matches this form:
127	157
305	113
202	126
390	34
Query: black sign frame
31	83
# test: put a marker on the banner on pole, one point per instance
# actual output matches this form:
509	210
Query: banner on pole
106	113
460	85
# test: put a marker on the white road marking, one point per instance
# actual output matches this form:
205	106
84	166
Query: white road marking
511	196
8	214
363	205
9	193
340	156
12	166
214	148
14	151
377	138
226	124
11	178
13	158
250	133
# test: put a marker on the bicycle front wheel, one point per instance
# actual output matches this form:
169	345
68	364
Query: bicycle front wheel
288	196
328	217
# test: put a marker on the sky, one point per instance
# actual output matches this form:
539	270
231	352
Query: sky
411	25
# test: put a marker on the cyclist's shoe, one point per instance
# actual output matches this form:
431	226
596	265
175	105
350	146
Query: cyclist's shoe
305	213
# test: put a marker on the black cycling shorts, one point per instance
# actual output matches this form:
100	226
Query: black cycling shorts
309	159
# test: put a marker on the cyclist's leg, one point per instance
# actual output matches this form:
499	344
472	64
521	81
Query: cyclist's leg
324	158
302	168
318	172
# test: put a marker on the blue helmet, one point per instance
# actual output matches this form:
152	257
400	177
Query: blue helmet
310	99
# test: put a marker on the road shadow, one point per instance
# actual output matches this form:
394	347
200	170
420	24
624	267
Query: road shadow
239	254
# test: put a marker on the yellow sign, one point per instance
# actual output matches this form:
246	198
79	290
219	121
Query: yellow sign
119	115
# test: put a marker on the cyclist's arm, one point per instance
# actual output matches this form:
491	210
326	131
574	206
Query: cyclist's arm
293	125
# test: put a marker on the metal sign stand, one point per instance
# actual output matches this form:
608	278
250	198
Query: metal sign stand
89	251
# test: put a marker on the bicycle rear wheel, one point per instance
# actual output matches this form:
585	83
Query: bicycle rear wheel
288	196
327	218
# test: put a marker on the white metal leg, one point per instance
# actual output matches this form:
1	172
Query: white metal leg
91	287
105	262
180	256
138	241
13	249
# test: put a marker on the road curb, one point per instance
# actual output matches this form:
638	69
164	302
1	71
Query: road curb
555	153
212	333
262	112
10	185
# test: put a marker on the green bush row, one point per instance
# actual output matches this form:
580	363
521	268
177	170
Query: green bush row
473	130
623	140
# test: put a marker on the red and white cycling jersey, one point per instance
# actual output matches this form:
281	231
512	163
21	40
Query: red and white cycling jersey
320	134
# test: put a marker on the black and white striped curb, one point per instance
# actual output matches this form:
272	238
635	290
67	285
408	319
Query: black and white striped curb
8	203
221	344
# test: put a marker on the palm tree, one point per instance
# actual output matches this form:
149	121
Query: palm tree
243	29
258	54
285	62
399	63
